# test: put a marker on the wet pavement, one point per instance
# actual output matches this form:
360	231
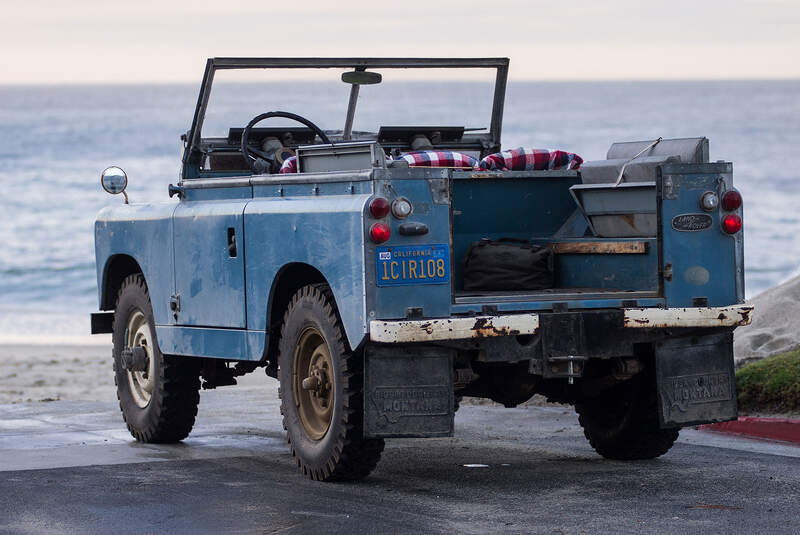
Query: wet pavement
72	467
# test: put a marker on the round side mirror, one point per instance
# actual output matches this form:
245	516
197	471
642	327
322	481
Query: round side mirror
114	181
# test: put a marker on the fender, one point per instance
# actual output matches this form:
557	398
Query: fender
143	233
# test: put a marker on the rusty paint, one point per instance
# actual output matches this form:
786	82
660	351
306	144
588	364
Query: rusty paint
484	328
599	247
453	328
731	316
629	219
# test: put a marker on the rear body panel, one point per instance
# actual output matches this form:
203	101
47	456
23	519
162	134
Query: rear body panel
323	221
700	261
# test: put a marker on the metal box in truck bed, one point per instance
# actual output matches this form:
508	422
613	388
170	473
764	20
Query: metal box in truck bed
622	211
322	255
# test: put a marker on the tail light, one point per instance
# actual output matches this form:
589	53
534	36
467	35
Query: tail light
731	201
380	232
732	223
379	208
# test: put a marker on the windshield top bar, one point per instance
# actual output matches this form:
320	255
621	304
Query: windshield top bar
374	63
213	64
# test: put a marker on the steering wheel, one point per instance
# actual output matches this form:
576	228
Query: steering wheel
252	156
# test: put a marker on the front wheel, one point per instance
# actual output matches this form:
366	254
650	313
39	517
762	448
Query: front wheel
158	394
321	391
622	423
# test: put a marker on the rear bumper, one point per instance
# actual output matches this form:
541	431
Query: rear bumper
456	328
654	318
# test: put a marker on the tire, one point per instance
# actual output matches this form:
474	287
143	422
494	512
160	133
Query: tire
158	405
622	423
321	391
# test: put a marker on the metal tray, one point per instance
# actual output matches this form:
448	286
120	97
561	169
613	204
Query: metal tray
627	210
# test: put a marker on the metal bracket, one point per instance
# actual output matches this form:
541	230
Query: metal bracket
176	190
554	367
175	305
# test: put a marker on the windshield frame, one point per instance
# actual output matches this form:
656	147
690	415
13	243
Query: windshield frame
194	152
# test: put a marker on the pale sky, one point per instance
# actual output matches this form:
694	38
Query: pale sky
82	41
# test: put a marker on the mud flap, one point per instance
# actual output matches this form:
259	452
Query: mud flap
695	380
408	392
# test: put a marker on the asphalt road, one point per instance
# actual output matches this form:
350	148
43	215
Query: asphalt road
71	467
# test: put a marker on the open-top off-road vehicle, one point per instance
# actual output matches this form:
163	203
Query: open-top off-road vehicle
364	268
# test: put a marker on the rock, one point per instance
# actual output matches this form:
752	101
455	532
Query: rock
776	324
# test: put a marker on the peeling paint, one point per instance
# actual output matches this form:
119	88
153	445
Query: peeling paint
652	318
453	328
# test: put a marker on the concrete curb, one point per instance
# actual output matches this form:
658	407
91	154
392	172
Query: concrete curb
782	429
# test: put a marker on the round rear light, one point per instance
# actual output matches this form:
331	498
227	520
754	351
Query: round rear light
709	201
731	200
379	207
401	208
731	223
380	232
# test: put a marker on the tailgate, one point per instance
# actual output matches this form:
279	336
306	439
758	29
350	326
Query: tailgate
701	264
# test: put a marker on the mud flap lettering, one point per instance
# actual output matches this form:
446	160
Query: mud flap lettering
695	380
408	393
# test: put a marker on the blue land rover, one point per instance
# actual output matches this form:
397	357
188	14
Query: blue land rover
338	261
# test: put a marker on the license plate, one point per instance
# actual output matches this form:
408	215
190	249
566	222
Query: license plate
412	264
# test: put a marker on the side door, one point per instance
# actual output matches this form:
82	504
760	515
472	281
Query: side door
209	263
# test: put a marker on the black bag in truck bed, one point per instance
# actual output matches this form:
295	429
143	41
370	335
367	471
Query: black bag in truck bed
509	265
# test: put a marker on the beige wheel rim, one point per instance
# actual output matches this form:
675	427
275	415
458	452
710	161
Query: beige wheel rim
313	383
138	334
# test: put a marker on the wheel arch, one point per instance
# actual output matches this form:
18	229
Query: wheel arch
289	279
117	267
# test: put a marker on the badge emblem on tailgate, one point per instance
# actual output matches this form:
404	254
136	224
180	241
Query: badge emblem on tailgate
691	222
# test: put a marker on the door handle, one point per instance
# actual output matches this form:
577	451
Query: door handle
232	242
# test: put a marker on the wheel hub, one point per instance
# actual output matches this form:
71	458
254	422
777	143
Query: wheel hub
313	383
138	355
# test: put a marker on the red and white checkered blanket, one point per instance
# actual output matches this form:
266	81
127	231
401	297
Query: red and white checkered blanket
530	160
439	158
509	160
289	165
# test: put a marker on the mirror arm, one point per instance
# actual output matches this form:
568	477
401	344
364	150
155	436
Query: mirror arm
126	196
351	112
176	190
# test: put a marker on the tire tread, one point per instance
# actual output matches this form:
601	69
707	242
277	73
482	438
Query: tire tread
178	389
354	456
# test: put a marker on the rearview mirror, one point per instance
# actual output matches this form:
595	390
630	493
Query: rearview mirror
114	181
361	77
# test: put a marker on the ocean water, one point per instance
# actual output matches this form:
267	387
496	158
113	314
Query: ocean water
55	141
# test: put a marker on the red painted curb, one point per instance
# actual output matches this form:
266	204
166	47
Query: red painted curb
781	429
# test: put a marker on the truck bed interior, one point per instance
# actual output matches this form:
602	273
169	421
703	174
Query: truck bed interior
538	206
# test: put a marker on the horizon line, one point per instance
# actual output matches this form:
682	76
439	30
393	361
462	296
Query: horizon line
77	83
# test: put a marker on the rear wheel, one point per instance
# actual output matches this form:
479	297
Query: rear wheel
321	390
158	394
622	423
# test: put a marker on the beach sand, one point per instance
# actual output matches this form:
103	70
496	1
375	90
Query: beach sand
56	372
43	373
31	373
